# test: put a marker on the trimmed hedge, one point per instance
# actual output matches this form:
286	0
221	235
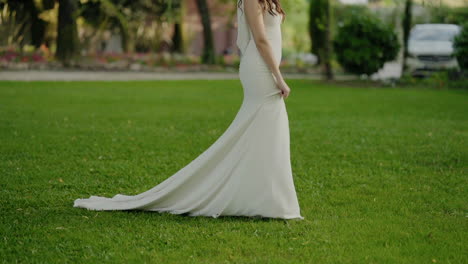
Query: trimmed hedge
363	44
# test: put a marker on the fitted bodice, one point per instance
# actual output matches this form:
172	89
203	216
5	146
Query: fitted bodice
245	42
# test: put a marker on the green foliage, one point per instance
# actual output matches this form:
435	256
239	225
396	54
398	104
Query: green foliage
295	26
20	23
443	79
106	14
363	44
449	15
380	174
461	47
132	19
343	12
320	20
48	4
319	13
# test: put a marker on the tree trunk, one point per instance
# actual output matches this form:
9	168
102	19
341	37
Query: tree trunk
177	39
406	30
316	30
327	46
320	34
208	56
28	27
67	33
37	25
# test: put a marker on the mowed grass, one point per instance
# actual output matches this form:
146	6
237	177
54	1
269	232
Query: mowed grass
381	174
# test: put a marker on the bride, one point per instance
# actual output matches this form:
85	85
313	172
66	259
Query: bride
247	170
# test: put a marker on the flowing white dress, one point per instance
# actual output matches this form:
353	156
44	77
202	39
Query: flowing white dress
247	170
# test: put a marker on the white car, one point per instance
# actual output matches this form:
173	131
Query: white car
430	48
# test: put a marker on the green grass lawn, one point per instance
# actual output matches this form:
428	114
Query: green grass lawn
381	174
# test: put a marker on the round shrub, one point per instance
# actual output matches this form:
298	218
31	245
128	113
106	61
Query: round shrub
363	44
460	45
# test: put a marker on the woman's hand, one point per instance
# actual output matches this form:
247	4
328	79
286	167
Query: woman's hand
283	86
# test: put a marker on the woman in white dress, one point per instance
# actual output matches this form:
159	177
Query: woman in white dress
247	170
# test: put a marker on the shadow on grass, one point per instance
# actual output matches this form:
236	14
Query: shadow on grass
187	216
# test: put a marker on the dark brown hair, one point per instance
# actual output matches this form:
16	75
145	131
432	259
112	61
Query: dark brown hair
268	5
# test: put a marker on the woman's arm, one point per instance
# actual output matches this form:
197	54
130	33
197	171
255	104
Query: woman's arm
254	17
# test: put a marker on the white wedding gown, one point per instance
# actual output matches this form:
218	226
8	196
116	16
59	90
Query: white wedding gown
247	171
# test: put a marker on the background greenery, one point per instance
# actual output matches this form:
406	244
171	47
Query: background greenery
363	44
142	35
380	174
461	47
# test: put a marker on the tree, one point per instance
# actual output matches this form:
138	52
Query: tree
460	46
363	44
136	21
107	14
208	56
67	34
406	29
177	35
22	20
320	35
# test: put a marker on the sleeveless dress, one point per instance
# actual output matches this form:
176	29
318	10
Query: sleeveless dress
247	170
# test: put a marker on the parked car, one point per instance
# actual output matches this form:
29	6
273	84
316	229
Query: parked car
430	48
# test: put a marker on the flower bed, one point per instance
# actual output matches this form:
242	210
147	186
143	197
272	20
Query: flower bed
41	59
